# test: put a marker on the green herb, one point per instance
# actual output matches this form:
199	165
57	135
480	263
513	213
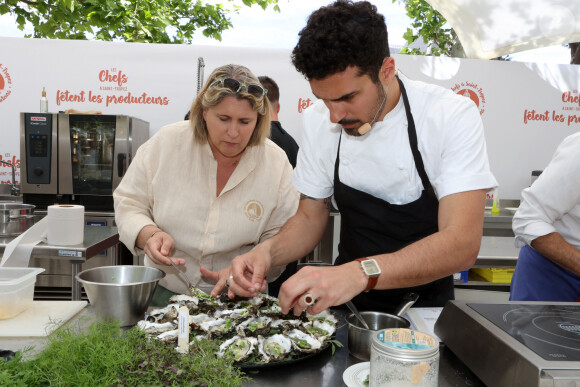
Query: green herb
335	344
104	355
317	331
366	381
301	343
273	348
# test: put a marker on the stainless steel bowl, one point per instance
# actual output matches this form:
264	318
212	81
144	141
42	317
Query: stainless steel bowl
360	338
15	218
122	293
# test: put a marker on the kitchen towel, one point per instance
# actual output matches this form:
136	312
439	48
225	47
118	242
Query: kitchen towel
62	226
65	225
17	253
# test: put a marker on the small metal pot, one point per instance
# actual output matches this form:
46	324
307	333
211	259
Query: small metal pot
15	218
360	338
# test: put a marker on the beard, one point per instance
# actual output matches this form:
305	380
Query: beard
377	107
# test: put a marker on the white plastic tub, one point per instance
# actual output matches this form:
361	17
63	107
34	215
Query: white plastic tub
16	289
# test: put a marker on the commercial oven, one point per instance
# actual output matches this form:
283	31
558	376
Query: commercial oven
76	159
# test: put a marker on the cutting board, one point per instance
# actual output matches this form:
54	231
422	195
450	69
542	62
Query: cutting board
41	319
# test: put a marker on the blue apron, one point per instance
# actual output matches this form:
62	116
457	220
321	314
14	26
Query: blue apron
536	278
371	226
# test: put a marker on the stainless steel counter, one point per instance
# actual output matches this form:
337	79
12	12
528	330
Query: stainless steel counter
326	369
322	370
96	239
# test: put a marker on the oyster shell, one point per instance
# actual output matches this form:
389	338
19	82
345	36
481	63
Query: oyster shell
184	300
169	313
303	342
195	321
274	348
169	336
254	326
241	347
219	327
321	329
153	327
285	325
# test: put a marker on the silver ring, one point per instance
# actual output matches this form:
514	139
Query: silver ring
228	280
309	299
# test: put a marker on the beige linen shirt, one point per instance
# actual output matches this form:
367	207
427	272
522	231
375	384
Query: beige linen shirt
171	183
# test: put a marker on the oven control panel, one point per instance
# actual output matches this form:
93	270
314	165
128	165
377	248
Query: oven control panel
38	137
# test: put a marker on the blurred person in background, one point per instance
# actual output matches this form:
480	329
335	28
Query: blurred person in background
203	191
277	134
547	228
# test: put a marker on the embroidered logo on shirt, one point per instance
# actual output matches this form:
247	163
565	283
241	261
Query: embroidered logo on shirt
254	210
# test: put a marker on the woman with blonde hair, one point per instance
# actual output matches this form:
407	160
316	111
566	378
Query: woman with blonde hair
201	192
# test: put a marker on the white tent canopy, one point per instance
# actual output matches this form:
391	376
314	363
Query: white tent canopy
492	28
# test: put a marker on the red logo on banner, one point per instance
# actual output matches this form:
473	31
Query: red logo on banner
472	91
5	83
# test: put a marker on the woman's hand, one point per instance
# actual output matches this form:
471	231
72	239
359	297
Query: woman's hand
159	246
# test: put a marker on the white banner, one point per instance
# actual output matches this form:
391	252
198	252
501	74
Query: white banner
527	109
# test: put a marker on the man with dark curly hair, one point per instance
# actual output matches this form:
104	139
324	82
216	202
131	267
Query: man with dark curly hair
405	163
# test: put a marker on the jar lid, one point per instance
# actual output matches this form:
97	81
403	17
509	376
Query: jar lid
405	343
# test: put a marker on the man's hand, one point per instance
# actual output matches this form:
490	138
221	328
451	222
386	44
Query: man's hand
329	286
249	271
224	279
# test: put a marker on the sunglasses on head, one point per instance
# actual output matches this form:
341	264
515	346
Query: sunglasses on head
234	85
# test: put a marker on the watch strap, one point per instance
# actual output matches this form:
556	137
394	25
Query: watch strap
372	280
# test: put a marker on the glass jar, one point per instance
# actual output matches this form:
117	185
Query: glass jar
404	357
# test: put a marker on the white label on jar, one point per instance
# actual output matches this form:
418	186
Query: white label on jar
406	339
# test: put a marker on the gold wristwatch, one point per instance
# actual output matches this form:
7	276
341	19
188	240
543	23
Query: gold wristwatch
372	270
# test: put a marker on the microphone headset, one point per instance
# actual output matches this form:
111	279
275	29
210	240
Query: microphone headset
367	126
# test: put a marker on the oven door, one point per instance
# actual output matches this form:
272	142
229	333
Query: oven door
86	149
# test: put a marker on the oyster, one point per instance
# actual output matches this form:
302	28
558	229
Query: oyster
241	347
274	348
195	321
284	325
321	329
169	336
184	300
153	327
219	327
325	315
169	313
254	326
303	342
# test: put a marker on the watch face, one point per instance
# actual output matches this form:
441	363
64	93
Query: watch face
371	268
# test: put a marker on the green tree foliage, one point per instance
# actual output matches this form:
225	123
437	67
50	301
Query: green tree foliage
153	21
429	25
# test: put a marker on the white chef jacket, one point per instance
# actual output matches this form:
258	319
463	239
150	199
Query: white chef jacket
450	138
171	183
552	203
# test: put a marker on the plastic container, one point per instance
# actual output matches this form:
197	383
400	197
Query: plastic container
404	357
16	289
495	275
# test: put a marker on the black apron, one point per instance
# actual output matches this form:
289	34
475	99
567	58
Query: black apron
371	226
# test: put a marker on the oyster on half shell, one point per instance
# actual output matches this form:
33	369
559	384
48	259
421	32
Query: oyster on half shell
274	348
241	347
303	342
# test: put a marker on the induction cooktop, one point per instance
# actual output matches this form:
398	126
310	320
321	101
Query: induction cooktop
515	343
